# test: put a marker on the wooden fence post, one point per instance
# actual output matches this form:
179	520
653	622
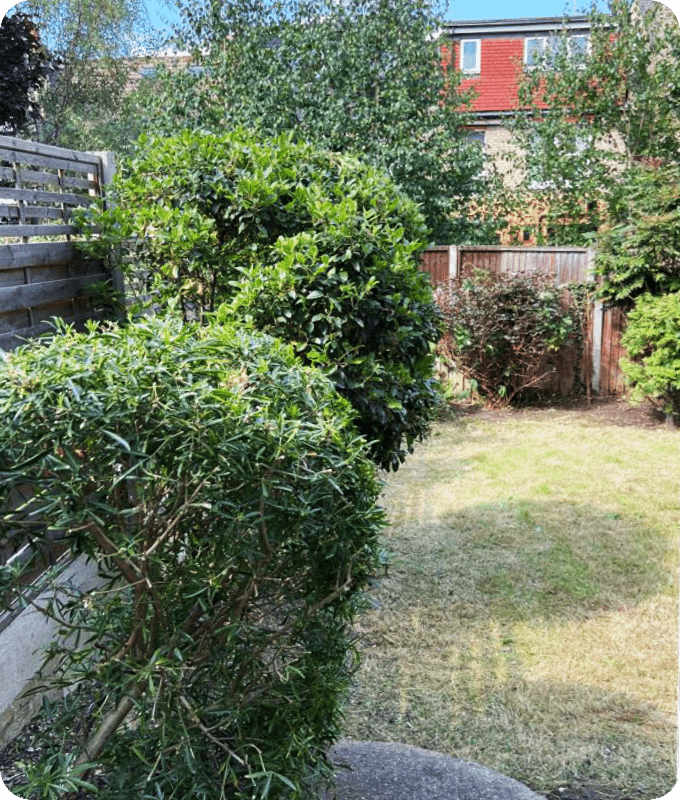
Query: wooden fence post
453	262
598	326
108	162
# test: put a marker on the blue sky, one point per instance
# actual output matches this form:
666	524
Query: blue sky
463	9
472	9
460	9
160	10
506	9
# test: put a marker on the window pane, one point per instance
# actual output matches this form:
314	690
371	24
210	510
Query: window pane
578	48
553	46
534	51
470	56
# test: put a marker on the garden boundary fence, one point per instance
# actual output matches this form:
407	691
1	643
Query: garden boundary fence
599	367
42	273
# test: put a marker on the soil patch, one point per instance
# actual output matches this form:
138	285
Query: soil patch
604	411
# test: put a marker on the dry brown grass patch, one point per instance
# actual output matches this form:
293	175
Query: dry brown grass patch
528	620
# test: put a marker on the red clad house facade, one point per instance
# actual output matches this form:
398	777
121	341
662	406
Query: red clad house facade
492	52
491	55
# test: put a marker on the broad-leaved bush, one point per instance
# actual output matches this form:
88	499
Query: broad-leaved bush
641	255
224	494
652	342
313	247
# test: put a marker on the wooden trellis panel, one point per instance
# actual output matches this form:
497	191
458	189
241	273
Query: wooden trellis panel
42	273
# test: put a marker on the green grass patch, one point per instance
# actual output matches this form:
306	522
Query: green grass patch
528	619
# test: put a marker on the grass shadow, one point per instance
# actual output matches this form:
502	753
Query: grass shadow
515	560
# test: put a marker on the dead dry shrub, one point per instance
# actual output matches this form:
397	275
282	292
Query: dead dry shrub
502	332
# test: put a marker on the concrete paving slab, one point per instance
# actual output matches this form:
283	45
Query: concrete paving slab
388	771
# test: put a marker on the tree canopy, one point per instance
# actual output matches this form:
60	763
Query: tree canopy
25	65
588	121
92	43
363	77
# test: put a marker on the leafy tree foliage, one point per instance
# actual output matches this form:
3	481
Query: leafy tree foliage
501	331
223	492
25	65
86	105
588	121
652	341
313	247
642	255
361	77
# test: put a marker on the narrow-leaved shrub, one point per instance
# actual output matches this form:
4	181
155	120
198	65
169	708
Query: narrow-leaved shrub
228	501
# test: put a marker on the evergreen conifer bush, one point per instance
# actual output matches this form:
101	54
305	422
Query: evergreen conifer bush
313	247
652	341
223	491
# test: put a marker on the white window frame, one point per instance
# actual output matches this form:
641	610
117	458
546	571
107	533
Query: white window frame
478	57
528	39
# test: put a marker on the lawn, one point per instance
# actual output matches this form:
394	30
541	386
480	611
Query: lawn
527	619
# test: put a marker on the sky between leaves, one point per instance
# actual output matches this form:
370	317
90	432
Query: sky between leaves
162	13
478	9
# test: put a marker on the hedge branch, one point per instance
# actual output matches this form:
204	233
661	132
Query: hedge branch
96	743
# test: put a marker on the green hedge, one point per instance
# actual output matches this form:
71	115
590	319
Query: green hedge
313	247
652	341
229	502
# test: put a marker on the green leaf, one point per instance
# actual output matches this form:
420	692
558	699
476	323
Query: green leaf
117	438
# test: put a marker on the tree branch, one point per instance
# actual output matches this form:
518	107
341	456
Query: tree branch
96	743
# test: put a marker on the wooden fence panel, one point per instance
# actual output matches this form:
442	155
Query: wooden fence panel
437	263
612	378
42	273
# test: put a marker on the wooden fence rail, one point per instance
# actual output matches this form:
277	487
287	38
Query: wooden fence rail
600	365
42	274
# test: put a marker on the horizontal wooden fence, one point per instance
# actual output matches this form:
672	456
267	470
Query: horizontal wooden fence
42	274
600	366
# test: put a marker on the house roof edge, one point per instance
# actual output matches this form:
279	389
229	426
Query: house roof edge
519	25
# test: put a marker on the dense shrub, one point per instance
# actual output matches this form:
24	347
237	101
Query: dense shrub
652	341
642	255
311	246
228	501
501	331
